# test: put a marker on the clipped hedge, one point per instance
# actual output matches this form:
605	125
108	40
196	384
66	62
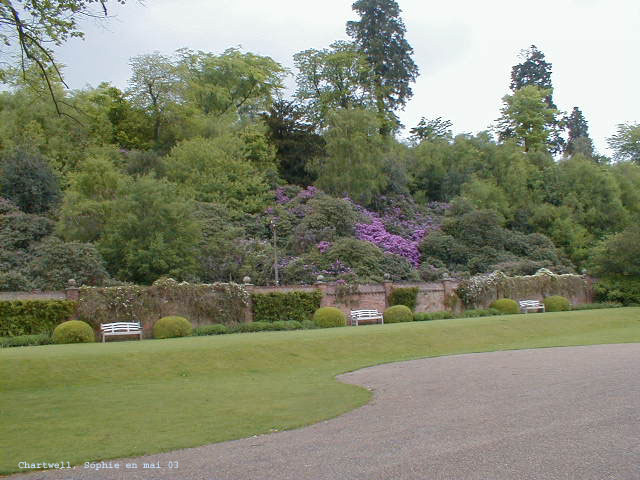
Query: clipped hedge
556	303
327	317
506	305
274	306
480	312
215	329
73	331
427	316
397	314
26	340
407	296
171	327
31	317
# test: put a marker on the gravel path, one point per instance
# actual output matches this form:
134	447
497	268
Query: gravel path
557	413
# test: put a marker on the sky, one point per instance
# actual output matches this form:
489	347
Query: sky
464	49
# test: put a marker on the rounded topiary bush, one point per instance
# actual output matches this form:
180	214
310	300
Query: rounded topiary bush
506	305
556	303
73	331
397	314
326	317
171	327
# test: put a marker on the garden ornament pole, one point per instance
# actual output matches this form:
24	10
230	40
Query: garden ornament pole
275	251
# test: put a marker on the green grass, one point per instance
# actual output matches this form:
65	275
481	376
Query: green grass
66	402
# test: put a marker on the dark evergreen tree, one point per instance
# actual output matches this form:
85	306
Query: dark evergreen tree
379	34
295	140
578	141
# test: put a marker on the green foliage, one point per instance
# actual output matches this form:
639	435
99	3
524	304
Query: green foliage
596	306
363	257
215	329
619	254
397	314
73	331
437	129
404	296
618	289
28	181
326	317
427	316
355	156
28	317
556	303
216	170
26	340
13	281
626	142
172	327
578	133
505	305
481	312
55	262
153	234
270	307
19	231
309	325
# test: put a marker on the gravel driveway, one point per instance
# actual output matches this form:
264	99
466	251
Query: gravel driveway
556	413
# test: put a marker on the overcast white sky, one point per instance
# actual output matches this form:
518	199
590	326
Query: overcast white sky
465	49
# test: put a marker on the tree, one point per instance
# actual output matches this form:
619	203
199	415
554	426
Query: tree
243	83
295	140
525	116
153	234
619	254
626	142
578	141
534	70
379	34
153	86
28	181
32	26
217	170
328	79
431	130
355	156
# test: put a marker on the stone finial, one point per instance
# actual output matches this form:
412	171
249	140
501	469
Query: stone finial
246	280
320	278
71	283
387	277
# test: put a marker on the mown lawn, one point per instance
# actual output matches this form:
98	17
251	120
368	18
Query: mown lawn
68	402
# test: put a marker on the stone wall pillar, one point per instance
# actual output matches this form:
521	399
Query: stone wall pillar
248	310
322	288
72	292
388	287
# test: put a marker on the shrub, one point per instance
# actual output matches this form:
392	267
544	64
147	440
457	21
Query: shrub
427	316
481	312
14	281
327	317
308	325
619	289
596	306
171	327
27	317
274	306
506	305
556	303
73	331
25	340
215	329
404	296
397	314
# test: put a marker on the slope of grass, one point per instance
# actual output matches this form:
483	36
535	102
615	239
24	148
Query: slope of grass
191	391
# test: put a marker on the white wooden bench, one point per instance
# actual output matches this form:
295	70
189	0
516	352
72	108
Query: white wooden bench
527	306
358	315
120	328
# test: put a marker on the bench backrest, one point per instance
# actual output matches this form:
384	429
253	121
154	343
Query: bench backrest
365	313
121	327
530	303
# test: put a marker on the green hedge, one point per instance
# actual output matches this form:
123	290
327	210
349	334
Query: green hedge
398	314
31	317
506	305
26	340
618	289
404	296
427	316
271	307
73	331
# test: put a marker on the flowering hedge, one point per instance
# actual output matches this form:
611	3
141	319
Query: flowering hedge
200	303
483	289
